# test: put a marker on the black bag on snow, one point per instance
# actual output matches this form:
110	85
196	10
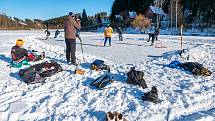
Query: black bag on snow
196	68
99	65
102	81
136	78
38	72
151	96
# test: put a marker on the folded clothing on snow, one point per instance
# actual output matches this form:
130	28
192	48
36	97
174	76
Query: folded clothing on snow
136	78
193	67
38	72
99	65
151	96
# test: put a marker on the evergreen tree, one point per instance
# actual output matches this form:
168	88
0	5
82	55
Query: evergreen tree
84	20
99	19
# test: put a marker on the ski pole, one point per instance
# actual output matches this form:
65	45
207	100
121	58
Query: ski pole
81	47
181	36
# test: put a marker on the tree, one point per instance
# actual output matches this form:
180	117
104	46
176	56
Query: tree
139	6
84	20
99	19
141	22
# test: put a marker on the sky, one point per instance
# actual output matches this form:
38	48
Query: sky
46	9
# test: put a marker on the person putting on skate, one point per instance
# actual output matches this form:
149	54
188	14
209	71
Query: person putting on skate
21	55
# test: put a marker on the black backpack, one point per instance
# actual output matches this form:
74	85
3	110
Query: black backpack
136	78
102	81
196	68
151	96
38	72
99	65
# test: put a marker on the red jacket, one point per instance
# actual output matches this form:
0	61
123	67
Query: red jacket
70	27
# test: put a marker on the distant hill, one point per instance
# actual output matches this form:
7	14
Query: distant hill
16	23
8	23
55	23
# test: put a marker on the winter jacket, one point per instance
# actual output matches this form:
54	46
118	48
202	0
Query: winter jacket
70	27
18	53
119	30
108	32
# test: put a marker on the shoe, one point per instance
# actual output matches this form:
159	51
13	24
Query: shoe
43	55
110	117
118	116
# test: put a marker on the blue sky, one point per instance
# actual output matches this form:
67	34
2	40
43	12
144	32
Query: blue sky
45	9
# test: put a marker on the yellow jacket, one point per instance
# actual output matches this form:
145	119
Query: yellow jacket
108	32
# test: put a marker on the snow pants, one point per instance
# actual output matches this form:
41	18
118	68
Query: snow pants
106	38
70	50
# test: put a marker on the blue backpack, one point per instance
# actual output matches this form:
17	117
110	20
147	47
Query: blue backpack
175	64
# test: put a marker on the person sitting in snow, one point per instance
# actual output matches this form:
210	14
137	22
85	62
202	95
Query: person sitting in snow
108	33
20	54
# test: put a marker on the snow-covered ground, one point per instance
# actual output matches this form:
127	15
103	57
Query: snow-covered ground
66	96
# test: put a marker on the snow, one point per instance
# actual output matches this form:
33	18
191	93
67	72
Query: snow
69	97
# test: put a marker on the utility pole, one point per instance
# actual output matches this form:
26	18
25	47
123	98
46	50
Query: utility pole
171	16
176	15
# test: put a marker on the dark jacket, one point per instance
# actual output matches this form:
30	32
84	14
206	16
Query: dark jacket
119	30
70	27
18	53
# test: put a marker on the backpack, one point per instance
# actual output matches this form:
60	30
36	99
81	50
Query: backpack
38	72
136	78
99	65
102	81
151	96
196	68
175	64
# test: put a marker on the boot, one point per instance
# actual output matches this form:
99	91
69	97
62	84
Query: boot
118	116
110	117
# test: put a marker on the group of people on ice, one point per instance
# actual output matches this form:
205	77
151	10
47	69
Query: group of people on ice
72	26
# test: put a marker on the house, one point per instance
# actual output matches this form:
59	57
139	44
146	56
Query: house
132	14
155	14
119	17
153	11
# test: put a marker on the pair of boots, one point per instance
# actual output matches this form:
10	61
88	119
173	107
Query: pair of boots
115	117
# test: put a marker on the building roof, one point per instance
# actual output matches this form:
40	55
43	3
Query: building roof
157	10
132	14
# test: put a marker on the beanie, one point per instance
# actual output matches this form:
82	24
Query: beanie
19	42
71	13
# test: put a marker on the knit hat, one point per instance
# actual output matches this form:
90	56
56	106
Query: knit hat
19	42
71	14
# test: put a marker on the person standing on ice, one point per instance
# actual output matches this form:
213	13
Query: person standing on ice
119	30
108	33
57	32
70	27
